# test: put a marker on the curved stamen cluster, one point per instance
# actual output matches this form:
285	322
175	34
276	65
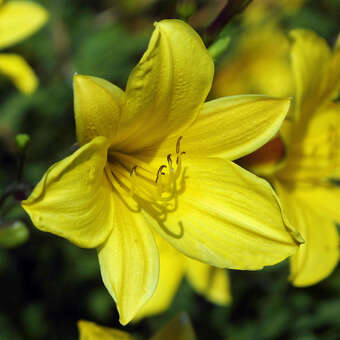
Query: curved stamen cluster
130	176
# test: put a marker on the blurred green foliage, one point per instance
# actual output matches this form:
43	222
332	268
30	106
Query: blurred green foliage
47	284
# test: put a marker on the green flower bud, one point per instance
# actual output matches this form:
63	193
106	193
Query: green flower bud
13	234
22	141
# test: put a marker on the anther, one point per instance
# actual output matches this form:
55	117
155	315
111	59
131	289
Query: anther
178	144
178	157
160	172
133	170
169	160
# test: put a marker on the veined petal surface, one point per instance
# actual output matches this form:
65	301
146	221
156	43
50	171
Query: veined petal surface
18	20
97	107
91	331
74	197
226	217
166	90
129	262
318	257
21	74
230	127
213	283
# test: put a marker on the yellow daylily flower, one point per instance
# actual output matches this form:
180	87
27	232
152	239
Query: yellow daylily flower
151	161
18	20
179	328
259	64
303	179
211	282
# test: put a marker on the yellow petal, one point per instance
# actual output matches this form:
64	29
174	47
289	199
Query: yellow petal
318	257
97	107
225	216
171	272
129	262
91	331
230	127
213	283
333	76
74	197
323	199
259	64
167	88
310	56
179	328
16	68
18	20
337	42
313	153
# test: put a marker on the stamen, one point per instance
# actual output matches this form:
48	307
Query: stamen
178	144
179	156
159	172
133	170
116	181
159	193
169	160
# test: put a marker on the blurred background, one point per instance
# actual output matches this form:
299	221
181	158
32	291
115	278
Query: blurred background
46	283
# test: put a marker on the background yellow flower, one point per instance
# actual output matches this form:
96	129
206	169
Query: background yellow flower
179	328
303	165
18	20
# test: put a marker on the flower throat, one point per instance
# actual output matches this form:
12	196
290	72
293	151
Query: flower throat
146	182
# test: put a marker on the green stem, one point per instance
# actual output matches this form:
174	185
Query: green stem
232	8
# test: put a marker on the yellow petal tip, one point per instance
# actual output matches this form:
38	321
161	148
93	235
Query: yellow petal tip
125	319
79	77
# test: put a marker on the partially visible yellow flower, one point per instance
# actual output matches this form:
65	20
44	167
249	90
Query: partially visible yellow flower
211	282
262	10
91	331
259	64
179	328
18	20
311	138
157	159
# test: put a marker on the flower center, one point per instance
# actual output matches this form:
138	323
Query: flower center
149	183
